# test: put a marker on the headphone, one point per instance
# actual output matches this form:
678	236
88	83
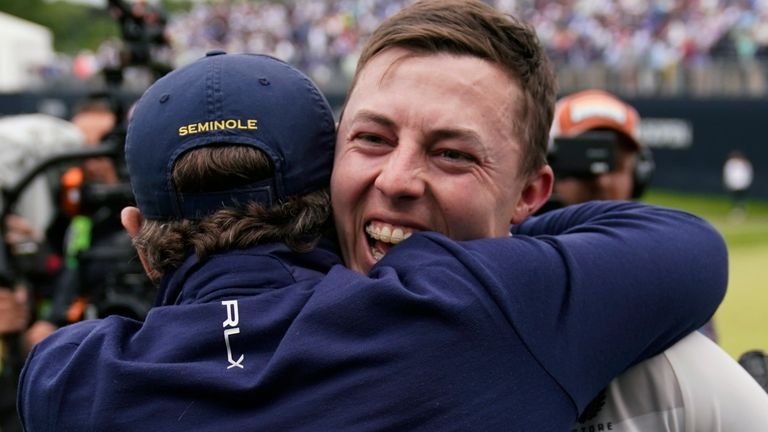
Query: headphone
643	172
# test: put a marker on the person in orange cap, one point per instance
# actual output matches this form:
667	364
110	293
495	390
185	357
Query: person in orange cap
596	150
596	154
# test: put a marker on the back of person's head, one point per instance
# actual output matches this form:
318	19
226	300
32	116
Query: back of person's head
227	152
473	28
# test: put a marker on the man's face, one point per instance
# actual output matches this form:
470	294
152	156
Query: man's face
426	143
95	125
613	185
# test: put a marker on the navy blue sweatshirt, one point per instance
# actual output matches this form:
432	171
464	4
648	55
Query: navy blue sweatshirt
509	334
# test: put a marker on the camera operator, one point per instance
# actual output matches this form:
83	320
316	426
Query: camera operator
87	233
76	256
79	249
25	139
54	262
596	154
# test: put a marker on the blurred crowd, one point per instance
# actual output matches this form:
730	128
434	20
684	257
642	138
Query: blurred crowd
629	47
320	37
645	44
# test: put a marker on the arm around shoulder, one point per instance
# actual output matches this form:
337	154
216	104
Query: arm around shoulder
635	279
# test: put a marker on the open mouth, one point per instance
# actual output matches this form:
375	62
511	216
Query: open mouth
382	237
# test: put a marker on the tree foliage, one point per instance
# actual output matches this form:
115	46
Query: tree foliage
74	26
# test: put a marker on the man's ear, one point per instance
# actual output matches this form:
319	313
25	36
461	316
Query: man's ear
535	194
132	221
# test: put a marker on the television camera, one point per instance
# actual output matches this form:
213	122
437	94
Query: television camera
122	286
583	156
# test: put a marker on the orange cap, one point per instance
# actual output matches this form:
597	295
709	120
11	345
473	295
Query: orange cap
71	183
595	109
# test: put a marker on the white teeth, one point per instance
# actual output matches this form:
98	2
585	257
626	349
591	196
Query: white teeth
386	234
371	232
377	255
397	236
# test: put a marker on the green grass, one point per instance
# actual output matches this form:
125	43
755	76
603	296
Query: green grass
742	319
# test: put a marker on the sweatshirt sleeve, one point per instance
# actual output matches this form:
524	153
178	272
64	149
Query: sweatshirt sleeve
44	382
595	288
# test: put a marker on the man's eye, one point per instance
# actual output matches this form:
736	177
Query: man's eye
369	138
458	156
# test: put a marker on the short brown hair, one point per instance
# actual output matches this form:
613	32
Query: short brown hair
471	27
299	221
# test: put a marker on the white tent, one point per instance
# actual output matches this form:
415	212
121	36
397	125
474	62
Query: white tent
24	47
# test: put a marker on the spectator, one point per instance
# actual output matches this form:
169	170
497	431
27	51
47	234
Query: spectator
596	152
25	140
664	39
737	179
599	156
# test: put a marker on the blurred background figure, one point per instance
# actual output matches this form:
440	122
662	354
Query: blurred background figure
66	249
756	363
737	179
596	154
13	320
144	37
25	139
595	151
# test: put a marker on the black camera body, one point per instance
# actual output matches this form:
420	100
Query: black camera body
593	153
585	155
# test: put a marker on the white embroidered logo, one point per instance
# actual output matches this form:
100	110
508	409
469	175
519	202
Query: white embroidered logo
232	321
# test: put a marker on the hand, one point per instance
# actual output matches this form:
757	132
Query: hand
14	315
37	332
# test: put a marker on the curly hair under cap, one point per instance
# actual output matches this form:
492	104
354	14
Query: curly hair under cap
299	221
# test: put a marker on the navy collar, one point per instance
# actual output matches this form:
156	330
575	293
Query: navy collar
246	271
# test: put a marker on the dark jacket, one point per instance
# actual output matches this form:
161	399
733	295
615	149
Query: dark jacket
506	334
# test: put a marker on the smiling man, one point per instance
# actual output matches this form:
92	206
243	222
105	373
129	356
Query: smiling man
456	161
445	130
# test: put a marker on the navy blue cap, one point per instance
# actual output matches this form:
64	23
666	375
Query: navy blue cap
228	99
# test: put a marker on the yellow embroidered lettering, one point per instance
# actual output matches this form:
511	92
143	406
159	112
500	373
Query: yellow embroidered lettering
214	125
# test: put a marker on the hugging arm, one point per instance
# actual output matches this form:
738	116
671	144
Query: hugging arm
627	280
594	288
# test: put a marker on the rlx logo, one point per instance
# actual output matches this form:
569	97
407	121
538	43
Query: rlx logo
231	328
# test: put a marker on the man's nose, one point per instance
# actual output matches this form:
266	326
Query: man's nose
403	174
